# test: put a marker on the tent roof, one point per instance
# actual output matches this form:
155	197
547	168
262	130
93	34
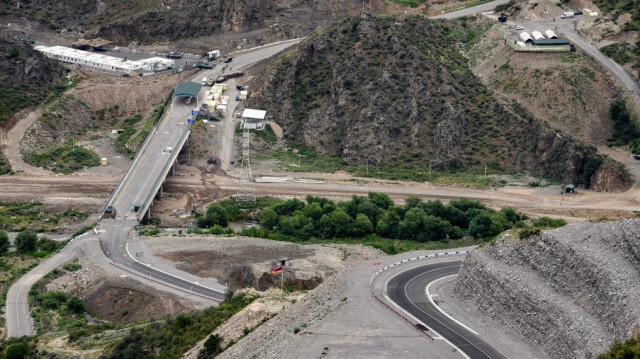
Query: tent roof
187	89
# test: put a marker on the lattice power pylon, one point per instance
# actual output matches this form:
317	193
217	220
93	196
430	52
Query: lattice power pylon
246	191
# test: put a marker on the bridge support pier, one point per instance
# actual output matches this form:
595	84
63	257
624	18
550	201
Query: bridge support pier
160	192
173	169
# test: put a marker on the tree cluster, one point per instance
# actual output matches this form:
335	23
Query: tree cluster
377	214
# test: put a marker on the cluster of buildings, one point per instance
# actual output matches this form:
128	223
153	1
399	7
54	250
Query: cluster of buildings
214	100
537	41
105	62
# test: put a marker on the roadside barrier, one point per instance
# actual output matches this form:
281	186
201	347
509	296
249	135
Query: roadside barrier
415	259
163	283
436	255
401	316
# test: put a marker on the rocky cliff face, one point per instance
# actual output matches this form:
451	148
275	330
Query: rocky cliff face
397	92
572	290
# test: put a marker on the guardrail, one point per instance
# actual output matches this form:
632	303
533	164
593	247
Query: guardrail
164	171
436	255
161	282
135	160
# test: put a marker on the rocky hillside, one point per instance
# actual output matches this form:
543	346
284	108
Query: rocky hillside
26	75
154	20
572	291
397	92
570	92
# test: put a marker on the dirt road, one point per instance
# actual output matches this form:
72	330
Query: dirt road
12	146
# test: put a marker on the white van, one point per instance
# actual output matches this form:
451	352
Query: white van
204	81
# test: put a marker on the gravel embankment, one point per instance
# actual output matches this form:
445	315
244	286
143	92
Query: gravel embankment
572	291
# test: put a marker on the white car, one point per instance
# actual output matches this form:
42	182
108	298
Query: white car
518	27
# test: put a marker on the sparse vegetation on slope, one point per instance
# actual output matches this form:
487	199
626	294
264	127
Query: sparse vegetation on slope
27	76
619	7
65	159
397	93
625	130
630	348
174	337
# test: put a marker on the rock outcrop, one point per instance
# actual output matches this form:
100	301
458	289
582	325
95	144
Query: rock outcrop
572	290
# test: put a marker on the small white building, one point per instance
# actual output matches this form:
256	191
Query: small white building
90	59
525	37
537	35
156	64
253	119
550	34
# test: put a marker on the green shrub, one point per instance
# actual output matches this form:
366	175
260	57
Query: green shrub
65	159
72	267
17	351
52	300
26	241
546	222
630	348
4	242
75	305
216	215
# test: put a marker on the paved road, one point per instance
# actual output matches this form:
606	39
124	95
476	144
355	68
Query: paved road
19	321
113	232
471	10
408	290
153	162
113	235
141	180
567	28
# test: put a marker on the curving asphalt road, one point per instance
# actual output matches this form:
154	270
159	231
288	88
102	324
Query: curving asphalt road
408	290
112	233
18	317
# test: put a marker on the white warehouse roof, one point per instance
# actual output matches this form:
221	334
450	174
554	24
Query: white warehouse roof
537	35
85	58
550	34
254	114
525	37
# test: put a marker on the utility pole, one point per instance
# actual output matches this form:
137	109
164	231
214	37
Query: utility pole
485	170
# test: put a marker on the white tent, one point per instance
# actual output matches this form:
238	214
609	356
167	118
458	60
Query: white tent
550	34
537	35
525	37
156	64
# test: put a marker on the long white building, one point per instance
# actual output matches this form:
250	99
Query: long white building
91	59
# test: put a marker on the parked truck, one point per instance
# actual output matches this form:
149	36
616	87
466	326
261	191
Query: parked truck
213	55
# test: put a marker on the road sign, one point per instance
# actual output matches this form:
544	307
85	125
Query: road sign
195	113
191	121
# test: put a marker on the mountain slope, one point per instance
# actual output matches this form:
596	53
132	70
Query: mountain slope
148	21
26	75
397	92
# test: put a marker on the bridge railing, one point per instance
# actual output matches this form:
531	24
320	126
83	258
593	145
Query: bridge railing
135	159
164	171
